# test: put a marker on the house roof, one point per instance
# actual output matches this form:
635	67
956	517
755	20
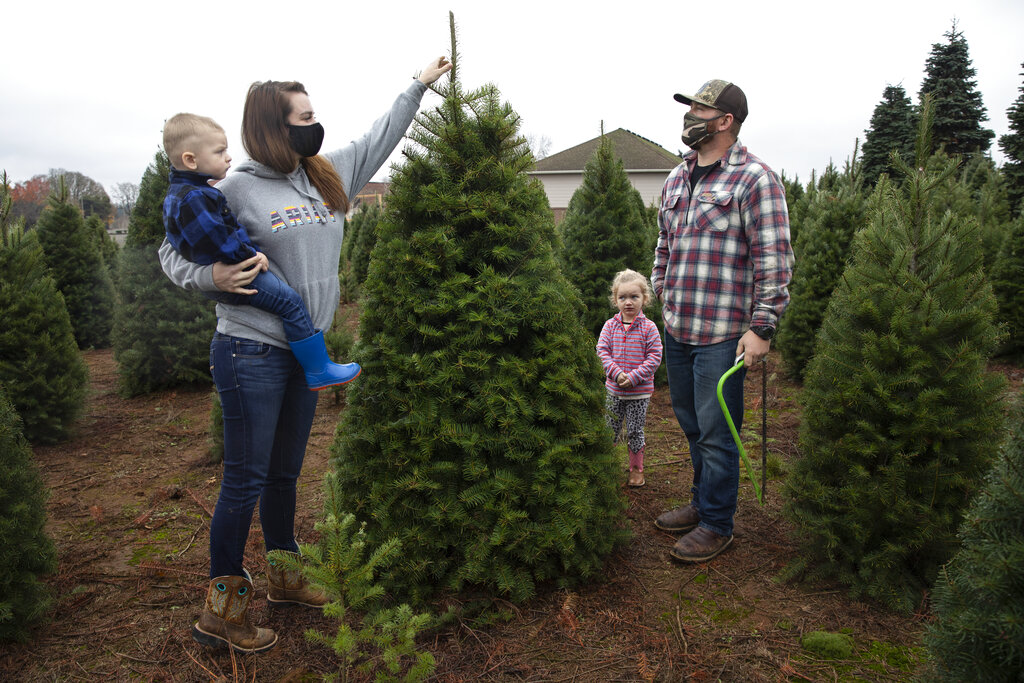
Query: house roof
637	154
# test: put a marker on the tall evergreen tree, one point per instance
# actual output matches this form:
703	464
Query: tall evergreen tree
892	130
959	110
40	367
1012	145
826	235
26	552
1008	286
74	259
162	332
900	414
603	232
476	436
978	601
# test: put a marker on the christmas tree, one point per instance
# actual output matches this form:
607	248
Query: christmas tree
901	416
892	129
826	235
476	436
162	332
73	256
40	367
1012	145
1008	285
959	110
26	552
605	231
978	601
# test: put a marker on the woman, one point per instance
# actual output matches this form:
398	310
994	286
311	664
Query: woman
292	201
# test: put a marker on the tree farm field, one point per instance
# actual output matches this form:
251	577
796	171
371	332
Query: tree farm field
131	495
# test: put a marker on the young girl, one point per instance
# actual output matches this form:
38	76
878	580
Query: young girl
630	350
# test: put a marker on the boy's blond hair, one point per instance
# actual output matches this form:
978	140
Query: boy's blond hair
627	276
181	130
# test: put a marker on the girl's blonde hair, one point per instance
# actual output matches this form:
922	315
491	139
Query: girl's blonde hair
627	276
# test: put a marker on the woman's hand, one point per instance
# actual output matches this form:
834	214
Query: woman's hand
434	70
233	277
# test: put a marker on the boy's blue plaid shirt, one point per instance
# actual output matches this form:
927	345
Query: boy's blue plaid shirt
200	225
723	260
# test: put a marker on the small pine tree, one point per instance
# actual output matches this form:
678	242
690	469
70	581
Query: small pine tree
829	224
362	238
107	247
958	107
604	232
74	259
1012	145
476	436
892	129
26	552
44	375
383	642
1008	286
162	332
900	414
978	601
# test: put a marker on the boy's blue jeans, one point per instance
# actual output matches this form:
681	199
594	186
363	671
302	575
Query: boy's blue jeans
693	374
268	413
274	296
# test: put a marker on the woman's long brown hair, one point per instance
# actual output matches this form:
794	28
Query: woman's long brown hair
266	140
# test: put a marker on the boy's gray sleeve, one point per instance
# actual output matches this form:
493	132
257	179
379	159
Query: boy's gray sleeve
183	272
359	161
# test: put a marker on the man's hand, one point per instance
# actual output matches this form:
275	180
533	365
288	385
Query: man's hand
752	345
233	277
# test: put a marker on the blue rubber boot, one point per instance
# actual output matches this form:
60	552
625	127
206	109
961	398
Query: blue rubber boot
320	371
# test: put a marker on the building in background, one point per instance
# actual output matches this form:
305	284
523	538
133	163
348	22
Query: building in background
647	164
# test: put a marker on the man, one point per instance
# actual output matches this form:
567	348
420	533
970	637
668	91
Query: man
721	271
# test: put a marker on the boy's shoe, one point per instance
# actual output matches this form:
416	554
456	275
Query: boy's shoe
636	479
679	520
700	545
321	373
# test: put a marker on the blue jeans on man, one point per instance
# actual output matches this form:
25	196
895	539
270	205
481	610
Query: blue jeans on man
268	413
693	375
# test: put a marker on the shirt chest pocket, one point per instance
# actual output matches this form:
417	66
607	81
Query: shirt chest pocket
673	210
713	211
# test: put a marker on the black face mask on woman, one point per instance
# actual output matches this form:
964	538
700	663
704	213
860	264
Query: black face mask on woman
306	140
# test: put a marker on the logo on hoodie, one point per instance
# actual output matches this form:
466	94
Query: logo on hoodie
300	215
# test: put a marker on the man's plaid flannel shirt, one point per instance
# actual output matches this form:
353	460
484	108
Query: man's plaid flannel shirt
723	260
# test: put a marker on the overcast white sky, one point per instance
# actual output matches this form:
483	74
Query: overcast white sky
86	86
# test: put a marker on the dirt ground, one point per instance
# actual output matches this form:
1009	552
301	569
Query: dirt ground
129	511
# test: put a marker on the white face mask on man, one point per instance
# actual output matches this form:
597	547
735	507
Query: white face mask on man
695	129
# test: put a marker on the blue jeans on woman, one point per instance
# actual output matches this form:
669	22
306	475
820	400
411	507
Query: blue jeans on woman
274	295
693	374
268	413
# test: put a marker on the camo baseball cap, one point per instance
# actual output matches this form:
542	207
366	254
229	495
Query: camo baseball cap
721	95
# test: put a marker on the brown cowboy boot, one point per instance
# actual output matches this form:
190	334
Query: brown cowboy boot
288	587
225	618
700	545
679	520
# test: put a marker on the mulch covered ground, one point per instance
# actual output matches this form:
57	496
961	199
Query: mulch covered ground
130	504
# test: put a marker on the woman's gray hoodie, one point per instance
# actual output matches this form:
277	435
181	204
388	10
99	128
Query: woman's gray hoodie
287	219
